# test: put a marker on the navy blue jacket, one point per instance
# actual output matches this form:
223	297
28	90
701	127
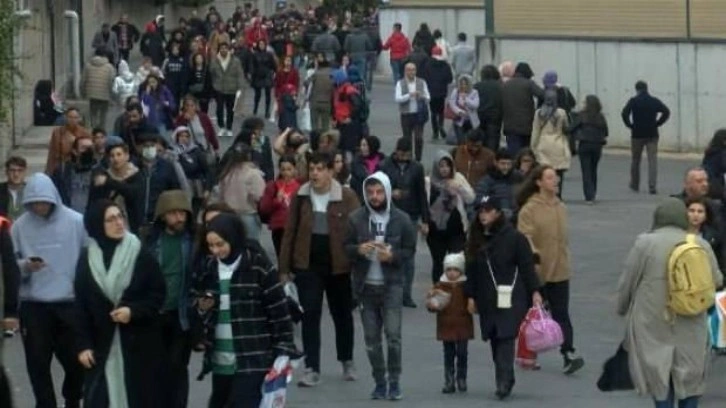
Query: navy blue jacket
158	178
641	115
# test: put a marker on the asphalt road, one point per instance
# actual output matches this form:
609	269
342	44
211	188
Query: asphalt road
600	237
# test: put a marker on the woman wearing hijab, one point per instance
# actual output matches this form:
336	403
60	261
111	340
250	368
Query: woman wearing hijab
119	292
249	321
550	143
448	195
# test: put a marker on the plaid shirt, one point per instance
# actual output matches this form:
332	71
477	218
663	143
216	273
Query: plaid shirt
261	324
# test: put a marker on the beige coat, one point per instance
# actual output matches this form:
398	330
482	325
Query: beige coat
658	349
97	79
242	188
549	141
544	223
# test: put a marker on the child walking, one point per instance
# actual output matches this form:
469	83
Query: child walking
454	324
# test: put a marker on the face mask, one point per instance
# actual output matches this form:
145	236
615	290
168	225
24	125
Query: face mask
149	152
86	158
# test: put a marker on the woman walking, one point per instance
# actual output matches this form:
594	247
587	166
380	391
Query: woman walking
263	69
464	103
550	143
590	130
543	220
200	81
500	263
448	195
366	162
159	102
249	324
275	203
241	185
119	292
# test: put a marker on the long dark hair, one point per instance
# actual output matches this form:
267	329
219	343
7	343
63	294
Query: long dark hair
342	177
477	237
718	141
704	202
530	187
592	113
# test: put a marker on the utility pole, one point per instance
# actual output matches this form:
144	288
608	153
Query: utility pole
489	17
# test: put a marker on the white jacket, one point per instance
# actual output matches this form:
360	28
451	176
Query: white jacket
125	84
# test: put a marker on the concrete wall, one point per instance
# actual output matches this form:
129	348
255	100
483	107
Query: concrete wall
685	76
451	21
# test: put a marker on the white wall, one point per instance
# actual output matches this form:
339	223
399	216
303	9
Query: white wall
687	77
451	21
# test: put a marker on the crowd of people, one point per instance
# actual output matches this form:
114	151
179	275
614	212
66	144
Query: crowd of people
140	244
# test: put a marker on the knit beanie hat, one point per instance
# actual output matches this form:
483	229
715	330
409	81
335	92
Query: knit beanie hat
455	261
549	79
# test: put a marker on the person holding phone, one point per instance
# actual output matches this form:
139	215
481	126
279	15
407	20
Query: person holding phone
48	239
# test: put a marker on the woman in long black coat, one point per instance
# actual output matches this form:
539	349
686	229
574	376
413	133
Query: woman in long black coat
119	292
499	255
262	75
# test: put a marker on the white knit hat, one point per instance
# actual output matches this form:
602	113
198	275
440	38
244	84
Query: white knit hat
455	261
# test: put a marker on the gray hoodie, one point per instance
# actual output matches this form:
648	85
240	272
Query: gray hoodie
378	224
57	239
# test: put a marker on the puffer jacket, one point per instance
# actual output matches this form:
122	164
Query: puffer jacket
227	81
500	186
97	79
125	85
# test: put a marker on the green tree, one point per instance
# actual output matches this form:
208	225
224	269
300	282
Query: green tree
8	68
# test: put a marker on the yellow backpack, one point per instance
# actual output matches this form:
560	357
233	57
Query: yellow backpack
691	290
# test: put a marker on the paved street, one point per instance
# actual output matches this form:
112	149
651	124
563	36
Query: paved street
600	237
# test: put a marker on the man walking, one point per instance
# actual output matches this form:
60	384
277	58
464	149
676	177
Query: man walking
105	39
227	79
381	239
127	35
96	84
48	240
11	191
644	114
407	179
412	97
400	47
463	57
313	250
171	241
358	45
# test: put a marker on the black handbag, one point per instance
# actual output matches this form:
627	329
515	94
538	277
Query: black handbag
616	373
422	112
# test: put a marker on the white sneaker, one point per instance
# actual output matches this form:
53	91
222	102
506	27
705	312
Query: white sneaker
309	379
220	133
349	371
229	133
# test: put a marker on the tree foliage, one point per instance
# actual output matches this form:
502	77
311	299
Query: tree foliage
8	68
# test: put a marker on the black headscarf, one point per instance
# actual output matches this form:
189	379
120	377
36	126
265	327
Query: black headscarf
230	228
94	220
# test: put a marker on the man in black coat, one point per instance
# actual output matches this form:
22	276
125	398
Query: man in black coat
127	35
643	115
408	186
11	191
438	76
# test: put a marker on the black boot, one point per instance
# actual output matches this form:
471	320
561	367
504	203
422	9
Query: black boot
461	384
442	134
461	370
449	387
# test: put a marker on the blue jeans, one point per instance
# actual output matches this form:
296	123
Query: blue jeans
590	154
690	402
516	142
362	65
397	70
370	69
380	312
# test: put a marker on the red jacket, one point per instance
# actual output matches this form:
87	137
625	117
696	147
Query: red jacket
283	78
206	124
342	105
274	208
254	34
398	44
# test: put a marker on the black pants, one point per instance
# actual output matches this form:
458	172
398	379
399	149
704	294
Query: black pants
442	243
492	133
277	240
311	286
456	359
561	179
590	154
6	394
48	330
124	55
225	104
557	295
503	356
436	106
177	344
413	131
236	391
258	96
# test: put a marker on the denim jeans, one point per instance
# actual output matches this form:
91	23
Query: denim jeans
690	402
372	63
516	142
397	70
590	154
362	64
380	312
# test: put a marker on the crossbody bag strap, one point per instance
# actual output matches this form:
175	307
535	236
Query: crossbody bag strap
491	273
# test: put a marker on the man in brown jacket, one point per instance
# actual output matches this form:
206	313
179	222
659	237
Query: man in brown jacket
472	159
313	250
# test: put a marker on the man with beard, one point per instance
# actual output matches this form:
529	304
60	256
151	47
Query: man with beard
499	184
171	242
73	178
127	35
61	140
133	126
472	159
408	182
105	40
380	240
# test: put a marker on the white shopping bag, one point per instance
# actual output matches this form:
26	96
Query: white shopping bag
239	103
303	119
274	388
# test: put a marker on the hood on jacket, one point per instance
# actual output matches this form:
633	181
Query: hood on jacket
40	189
354	74
383	179
671	213
441	155
124	71
171	200
339	77
99	61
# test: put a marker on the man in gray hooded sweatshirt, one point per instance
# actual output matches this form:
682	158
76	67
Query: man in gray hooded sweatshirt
381	238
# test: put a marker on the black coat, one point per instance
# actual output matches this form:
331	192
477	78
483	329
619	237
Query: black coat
490	101
359	172
502	187
200	83
508	251
641	115
141	341
410	179
262	67
438	77
131	189
152	46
